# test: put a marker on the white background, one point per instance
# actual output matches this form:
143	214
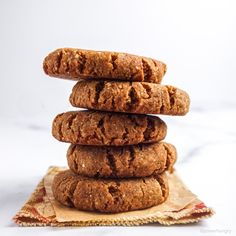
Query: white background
197	41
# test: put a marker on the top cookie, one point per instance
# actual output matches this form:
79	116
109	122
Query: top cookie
70	63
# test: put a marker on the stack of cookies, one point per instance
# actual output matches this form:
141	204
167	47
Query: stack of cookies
117	160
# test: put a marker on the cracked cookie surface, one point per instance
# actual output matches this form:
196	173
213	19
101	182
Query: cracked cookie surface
109	195
107	128
71	63
135	97
121	162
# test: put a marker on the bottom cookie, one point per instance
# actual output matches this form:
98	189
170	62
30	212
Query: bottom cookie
109	195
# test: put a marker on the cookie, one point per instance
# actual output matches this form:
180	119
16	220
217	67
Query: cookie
135	97
121	162
109	195
106	128
71	63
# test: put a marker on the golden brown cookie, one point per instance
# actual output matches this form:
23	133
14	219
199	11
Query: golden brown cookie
71	63
107	128
109	195
121	162
135	97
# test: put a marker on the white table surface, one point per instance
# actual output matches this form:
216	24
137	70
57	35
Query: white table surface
205	141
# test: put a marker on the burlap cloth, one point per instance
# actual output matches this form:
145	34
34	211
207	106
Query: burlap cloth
181	207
